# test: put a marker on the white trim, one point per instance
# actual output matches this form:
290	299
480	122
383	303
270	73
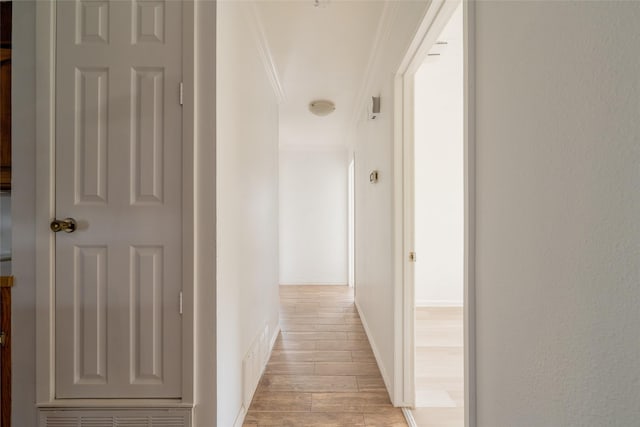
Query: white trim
470	396
45	199
436	17
240	417
376	353
261	41
274	337
188	253
408	90
203	122
314	284
351	220
243	411
408	415
398	211
87	404
438	303
45	210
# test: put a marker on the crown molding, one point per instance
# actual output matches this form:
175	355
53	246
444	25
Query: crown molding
260	38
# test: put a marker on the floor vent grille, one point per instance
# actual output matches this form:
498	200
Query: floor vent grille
115	418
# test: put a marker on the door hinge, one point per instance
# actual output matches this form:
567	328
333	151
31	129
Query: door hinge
180	302
412	256
3	339
181	93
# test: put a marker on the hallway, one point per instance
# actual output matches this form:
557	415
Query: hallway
322	370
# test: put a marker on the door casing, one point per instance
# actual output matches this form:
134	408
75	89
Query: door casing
436	17
192	213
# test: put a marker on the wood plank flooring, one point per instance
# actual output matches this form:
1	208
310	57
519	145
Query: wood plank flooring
439	367
322	371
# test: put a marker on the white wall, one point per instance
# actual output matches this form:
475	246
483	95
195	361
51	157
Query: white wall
247	203
374	202
558	208
23	214
204	200
439	192
313	216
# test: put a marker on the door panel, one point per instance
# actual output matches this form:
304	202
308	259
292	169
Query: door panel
118	173
90	309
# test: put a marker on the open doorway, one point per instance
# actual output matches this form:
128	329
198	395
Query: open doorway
352	220
439	230
436	204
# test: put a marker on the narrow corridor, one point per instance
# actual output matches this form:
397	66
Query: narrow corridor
322	370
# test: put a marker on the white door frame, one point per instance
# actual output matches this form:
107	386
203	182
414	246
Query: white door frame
198	341
436	17
351	219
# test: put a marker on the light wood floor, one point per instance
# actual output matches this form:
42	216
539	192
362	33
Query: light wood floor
322	371
439	367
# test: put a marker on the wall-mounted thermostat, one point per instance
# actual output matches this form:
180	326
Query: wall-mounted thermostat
373	177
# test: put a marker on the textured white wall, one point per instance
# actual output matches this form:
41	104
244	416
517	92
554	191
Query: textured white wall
439	191
247	203
558	208
313	217
23	214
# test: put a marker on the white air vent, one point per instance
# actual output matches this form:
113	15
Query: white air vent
115	418
96	421
251	373
60	421
253	365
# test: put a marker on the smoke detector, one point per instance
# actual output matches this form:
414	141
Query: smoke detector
322	107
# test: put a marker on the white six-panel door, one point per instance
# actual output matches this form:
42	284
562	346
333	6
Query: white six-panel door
118	173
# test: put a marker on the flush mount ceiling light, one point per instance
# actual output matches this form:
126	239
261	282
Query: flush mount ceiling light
322	107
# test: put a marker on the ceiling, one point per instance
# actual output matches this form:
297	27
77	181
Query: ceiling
320	53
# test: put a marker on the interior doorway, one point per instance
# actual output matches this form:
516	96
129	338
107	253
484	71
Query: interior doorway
437	207
352	220
439	230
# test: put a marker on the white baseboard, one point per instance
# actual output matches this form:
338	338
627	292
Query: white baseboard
241	416
438	303
274	337
314	284
408	415
272	341
376	353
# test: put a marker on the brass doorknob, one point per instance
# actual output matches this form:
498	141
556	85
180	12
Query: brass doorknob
68	225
